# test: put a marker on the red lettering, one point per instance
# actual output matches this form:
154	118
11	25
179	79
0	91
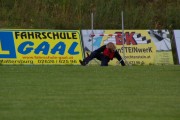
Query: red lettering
128	38
118	38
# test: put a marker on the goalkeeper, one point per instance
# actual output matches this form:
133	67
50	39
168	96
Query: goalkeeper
105	53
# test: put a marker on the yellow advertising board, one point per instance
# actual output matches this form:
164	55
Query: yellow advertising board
140	47
40	47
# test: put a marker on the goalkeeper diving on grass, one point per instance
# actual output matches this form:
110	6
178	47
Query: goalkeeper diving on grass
105	53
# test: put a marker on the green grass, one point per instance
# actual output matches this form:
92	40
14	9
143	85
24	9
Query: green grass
89	93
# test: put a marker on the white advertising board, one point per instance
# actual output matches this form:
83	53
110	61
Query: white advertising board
177	40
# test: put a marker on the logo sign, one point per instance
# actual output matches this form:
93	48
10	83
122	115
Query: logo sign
139	47
40	47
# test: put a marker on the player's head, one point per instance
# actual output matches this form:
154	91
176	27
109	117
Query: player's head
111	46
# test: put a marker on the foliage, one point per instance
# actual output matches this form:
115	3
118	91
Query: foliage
75	14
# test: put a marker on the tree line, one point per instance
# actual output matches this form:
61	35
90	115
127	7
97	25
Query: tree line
76	14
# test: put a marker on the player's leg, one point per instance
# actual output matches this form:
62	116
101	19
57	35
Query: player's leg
104	61
93	55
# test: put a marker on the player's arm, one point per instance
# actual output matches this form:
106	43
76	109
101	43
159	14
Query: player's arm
101	49
118	56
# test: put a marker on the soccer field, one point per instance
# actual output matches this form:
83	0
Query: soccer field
89	93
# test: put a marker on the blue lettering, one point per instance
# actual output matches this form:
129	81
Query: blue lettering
44	47
27	47
25	50
72	48
60	47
